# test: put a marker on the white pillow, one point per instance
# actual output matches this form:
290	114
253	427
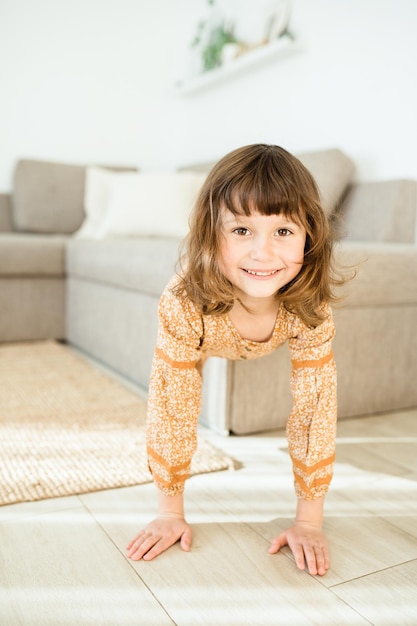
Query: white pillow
135	203
95	202
150	203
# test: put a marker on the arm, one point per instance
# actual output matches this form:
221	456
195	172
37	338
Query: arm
311	434
173	409
311	427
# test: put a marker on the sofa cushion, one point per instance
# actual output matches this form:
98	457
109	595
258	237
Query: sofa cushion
142	264
24	254
48	197
134	203
381	211
96	199
333	172
386	274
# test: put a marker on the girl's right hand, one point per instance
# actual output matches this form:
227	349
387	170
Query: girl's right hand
158	536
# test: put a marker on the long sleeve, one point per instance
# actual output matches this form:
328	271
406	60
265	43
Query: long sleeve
311	427
174	394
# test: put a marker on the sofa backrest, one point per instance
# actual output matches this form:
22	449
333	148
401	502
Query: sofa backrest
384	211
48	197
6	222
333	172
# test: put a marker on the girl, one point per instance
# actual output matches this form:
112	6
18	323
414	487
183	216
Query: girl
257	272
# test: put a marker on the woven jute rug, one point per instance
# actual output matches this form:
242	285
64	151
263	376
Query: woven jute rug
68	428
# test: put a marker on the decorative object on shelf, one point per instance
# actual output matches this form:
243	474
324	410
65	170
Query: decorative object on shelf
278	23
217	44
213	34
278	49
224	47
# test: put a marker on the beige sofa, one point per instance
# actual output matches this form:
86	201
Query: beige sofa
36	219
102	296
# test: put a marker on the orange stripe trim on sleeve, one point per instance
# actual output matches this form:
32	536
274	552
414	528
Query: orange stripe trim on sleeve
313	468
313	362
158	458
317	483
182	365
171	483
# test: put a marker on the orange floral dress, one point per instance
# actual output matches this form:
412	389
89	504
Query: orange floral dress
186	338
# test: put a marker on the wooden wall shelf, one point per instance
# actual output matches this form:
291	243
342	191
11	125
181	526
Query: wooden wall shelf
258	56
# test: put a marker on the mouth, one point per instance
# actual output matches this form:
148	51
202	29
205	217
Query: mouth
259	274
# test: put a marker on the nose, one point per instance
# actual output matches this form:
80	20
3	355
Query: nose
262	249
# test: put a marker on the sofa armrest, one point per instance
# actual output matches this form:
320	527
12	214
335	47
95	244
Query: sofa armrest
386	273
6	222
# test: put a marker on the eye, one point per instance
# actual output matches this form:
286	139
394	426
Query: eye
241	231
284	232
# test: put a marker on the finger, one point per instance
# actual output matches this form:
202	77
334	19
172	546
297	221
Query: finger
278	543
322	558
143	546
134	540
320	569
326	558
299	555
317	558
186	540
311	559
160	546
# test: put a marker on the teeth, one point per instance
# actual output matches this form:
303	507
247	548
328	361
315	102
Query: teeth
261	273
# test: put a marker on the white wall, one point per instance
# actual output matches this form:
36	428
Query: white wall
92	81
81	82
353	85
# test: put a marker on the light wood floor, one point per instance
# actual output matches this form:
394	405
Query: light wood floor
62	561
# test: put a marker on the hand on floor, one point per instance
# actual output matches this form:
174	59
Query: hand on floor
158	536
308	545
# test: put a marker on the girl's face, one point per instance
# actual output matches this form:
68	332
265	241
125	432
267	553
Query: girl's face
259	254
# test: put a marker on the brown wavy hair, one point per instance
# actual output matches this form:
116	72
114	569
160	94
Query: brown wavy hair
274	182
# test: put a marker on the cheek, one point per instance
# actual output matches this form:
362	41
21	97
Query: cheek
227	263
223	263
299	251
299	257
296	255
224	256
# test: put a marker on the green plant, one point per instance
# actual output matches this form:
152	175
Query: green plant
211	54
212	42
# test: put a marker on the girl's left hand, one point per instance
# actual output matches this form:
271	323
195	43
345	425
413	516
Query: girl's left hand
308	545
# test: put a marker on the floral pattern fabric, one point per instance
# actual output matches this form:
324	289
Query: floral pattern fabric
186	338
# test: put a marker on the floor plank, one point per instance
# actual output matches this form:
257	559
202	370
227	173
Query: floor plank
385	598
380	444
63	561
9	512
406	523
229	578
359	545
61	569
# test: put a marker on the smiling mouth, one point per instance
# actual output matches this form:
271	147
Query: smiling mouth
261	274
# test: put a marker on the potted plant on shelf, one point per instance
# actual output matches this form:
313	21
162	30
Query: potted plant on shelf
213	39
217	44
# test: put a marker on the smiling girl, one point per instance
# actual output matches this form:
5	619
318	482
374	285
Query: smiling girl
257	272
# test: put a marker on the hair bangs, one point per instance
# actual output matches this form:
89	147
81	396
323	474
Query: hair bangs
263	191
